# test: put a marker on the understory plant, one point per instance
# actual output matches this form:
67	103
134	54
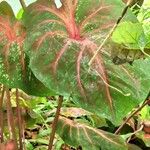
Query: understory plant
89	50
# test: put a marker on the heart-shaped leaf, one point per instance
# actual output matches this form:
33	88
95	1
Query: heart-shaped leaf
14	71
11	51
60	43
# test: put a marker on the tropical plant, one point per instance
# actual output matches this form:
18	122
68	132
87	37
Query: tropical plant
72	50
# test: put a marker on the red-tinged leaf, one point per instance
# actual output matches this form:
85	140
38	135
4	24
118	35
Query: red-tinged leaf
77	134
14	71
11	46
60	43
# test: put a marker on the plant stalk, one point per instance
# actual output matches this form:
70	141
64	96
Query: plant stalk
22	2
1	115
10	118
54	124
19	120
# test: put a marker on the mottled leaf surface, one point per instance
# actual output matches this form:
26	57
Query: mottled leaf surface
61	42
14	71
76	134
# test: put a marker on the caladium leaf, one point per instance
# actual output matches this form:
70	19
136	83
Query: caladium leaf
76	134
60	43
5	9
14	71
11	41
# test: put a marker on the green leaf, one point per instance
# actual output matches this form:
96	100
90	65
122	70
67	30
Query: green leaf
28	145
76	134
145	114
131	41
5	9
77	113
44	132
14	70
41	148
128	34
20	13
74	112
144	137
12	63
143	17
40	141
60	49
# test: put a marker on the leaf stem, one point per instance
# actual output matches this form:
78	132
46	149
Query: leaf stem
1	115
10	117
54	124
23	4
19	120
132	114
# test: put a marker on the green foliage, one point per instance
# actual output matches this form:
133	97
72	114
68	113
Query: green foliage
45	52
20	13
77	134
143	17
129	34
15	72
57	62
145	114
